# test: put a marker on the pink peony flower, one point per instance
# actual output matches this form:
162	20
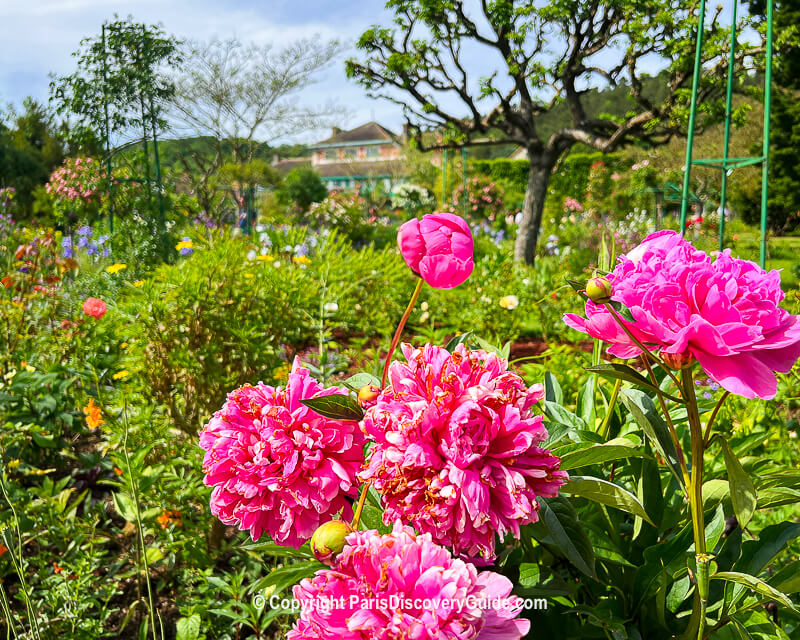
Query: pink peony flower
276	465
402	585
438	248
723	312
456	448
95	307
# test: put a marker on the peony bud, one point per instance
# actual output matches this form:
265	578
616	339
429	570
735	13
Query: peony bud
599	290
328	540
367	395
677	361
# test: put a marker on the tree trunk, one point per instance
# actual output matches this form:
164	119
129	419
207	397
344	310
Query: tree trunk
532	210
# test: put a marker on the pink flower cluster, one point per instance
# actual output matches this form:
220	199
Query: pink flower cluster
723	312
456	448
77	178
277	466
402	585
572	205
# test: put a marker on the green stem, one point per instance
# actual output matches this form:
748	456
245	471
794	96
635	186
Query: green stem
399	330
707	436
606	426
360	506
696	496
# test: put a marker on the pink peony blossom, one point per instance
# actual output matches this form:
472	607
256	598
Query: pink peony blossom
723	312
94	307
456	448
276	465
438	248
417	590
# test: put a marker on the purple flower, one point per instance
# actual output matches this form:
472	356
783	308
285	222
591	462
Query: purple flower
85	230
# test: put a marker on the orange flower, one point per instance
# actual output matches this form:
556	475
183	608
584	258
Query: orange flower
3	550
94	417
118	471
168	517
56	568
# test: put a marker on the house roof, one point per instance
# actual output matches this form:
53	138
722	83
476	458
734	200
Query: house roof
362	169
369	132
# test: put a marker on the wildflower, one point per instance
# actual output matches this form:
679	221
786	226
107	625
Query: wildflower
424	317
94	307
301	260
455	448
138	283
118	471
123	345
94	417
509	302
185	247
330	307
116	268
438	249
265	258
424	306
723	312
3	550
120	375
57	568
275	465
169	517
374	571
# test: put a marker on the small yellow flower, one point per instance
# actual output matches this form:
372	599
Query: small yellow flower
509	302
301	260
138	283
120	375
124	345
248	275
14	464
183	244
265	258
116	268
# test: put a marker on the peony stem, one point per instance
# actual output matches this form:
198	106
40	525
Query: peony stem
399	330
606	426
360	506
696	496
713	417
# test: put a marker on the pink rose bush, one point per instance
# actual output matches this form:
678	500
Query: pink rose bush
456	449
277	466
724	312
95	308
390	579
438	248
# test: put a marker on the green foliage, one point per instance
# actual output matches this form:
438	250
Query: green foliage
301	187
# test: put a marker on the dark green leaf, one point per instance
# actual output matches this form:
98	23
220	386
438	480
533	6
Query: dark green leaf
289	575
552	390
622	310
336	406
462	338
586	402
647	417
757	585
560	520
626	373
743	493
362	379
616	449
607	493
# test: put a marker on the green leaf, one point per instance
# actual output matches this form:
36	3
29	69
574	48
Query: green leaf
607	493
124	506
647	417
777	497
787	579
528	574
626	373
552	390
44	440
757	585
272	549
714	492
561	415
289	575
662	559
616	449
362	379
743	493
560	521
188	628
461	338
622	310
336	406
677	594
586	402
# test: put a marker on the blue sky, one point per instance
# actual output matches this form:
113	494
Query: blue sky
38	36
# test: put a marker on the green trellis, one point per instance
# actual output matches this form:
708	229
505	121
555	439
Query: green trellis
726	164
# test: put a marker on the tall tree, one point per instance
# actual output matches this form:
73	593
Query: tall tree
234	95
548	53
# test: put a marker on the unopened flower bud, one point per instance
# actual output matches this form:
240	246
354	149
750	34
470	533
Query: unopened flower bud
599	290
677	361
367	395
328	540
